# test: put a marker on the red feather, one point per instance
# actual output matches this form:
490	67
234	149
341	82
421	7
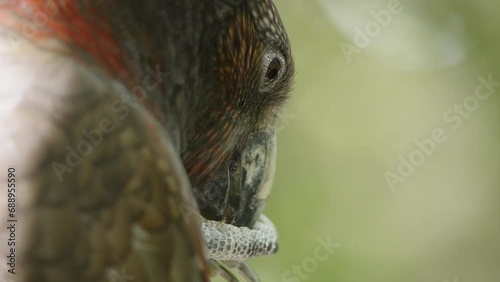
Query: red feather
86	31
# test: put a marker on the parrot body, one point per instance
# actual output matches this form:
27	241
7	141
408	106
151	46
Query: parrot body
124	121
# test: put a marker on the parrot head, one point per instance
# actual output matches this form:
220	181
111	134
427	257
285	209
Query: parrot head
228	70
230	158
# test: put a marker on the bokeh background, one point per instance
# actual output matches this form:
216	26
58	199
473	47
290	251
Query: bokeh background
352	118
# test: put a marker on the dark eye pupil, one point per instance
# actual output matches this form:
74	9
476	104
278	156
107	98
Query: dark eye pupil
273	69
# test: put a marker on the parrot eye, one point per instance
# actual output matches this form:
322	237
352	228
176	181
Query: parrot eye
273	70
273	65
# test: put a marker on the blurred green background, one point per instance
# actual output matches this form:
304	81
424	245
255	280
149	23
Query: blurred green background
351	120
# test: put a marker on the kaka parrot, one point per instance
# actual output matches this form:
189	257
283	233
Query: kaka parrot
137	138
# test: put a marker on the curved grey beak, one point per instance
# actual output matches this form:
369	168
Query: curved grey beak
238	191
251	177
